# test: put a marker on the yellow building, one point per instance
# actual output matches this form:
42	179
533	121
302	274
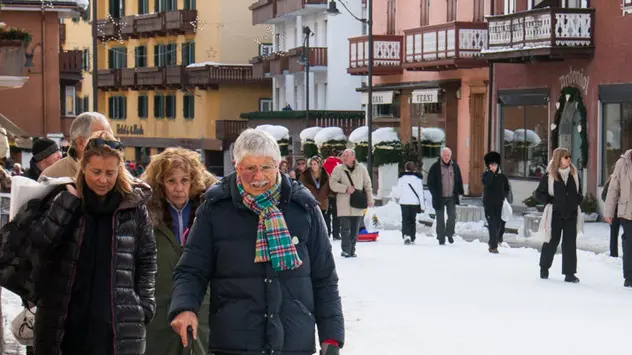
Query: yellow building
173	72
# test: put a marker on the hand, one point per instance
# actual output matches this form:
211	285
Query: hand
370	204
330	349
72	190
608	220
180	324
350	190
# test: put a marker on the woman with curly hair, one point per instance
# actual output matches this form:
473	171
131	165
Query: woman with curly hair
178	180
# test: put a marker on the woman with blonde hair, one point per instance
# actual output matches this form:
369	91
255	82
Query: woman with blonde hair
178	180
560	189
97	260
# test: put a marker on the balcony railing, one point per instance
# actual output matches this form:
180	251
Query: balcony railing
446	46
228	130
128	77
299	7
148	25
387	55
549	33
11	58
317	58
70	65
176	76
127	26
260	67
210	76
107	29
278	63
109	79
181	21
153	77
263	11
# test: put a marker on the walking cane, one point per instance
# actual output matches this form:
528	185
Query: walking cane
188	350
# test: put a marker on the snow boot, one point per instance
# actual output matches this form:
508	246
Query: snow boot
407	240
451	240
571	278
627	283
344	254
544	273
493	250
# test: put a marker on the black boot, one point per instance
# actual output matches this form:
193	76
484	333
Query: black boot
627	283
571	278
544	273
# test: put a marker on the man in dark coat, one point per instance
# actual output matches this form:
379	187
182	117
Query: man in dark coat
45	153
259	240
446	185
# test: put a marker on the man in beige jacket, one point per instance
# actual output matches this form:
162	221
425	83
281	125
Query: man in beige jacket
82	127
350	218
619	199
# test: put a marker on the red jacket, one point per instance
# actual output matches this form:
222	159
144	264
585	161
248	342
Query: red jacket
330	163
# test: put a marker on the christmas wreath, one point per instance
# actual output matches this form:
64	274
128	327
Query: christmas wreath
574	95
309	148
386	153
361	151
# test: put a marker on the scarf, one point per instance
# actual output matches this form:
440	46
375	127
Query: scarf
274	242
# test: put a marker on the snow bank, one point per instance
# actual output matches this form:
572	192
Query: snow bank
278	132
433	134
329	134
309	133
384	135
359	135
509	136
531	137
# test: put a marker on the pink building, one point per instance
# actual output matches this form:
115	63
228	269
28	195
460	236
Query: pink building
428	73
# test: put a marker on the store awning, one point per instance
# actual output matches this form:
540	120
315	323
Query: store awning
426	96
12	128
379	98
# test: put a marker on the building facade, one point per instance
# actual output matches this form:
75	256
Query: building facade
560	77
428	75
172	72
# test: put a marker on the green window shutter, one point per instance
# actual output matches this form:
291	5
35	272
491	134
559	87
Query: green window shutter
86	104
124	107
185	106
156	55
185	54
156	106
86	14
111	107
124	55
110	59
78	106
171	106
137	57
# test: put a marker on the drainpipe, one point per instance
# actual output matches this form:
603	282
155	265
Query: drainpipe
490	94
43	49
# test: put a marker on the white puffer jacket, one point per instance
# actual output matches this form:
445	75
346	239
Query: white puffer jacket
406	195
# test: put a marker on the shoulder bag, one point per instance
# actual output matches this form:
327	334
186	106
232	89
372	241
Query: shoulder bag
358	197
419	210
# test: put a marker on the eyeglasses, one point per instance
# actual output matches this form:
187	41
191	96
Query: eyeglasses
251	170
100	142
567	157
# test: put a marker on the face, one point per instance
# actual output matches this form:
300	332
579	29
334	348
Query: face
257	173
314	164
300	165
50	160
347	158
283	167
493	166
177	186
565	161
101	174
446	155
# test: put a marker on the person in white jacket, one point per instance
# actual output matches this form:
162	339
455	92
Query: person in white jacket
411	199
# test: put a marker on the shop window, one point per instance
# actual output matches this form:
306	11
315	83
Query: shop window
117	107
526	137
617	135
265	105
188	106
387	110
143	106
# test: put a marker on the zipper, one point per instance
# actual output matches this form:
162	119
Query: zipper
180	226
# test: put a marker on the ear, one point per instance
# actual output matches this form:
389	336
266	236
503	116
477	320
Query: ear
234	162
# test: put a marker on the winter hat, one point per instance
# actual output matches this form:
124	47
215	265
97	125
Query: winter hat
492	157
43	148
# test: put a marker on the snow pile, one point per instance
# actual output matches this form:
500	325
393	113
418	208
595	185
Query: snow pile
526	137
330	135
432	134
359	135
384	135
509	136
278	132
308	134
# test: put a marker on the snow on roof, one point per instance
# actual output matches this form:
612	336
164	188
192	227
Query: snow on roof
216	64
309	133
383	135
278	132
329	134
359	135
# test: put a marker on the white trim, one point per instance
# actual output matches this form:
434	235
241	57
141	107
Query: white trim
12	82
379	98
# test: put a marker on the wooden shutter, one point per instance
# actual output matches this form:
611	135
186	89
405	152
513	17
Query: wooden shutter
111	58
86	103
191	52
424	12
452	11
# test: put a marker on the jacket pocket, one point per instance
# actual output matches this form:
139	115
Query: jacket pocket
299	325
231	325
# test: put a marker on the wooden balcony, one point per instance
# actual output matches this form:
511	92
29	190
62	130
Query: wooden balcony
387	55
317	59
542	34
176	76
260	67
150	25
107	29
109	79
128	78
181	21
127	27
151	78
448	46
278	63
70	65
292	8
12	58
228	130
62	34
263	12
211	76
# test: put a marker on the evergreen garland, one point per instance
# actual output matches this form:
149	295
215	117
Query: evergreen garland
575	96
333	147
430	149
361	151
309	148
387	153
284	146
410	152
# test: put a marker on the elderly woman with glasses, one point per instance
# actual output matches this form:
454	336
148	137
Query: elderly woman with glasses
97	260
260	242
561	190
178	179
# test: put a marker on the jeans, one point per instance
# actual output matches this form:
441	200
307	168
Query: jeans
444	230
495	225
332	220
349	228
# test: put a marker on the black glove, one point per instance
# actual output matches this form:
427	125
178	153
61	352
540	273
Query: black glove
329	349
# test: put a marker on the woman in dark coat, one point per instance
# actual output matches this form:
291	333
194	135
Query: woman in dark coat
95	283
496	190
317	182
561	190
178	179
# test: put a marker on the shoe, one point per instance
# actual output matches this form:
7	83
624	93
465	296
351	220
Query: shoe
451	240
442	242
544	273
407	240
571	278
354	255
627	283
493	250
344	254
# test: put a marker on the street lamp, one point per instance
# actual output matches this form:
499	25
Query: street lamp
307	32
333	10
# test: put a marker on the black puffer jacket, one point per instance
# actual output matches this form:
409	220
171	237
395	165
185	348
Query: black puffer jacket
58	234
255	310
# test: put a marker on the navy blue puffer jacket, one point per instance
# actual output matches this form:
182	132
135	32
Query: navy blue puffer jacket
255	310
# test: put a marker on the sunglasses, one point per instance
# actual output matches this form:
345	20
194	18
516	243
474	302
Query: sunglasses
567	157
100	142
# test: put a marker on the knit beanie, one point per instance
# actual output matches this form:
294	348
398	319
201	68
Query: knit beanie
43	148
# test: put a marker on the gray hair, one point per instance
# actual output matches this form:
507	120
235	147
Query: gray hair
349	150
81	126
446	149
253	142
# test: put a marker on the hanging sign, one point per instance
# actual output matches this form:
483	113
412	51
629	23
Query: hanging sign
426	96
379	98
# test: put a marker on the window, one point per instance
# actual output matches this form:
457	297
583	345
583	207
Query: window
85	59
165	54
424	13
86	13
391	16
117	58
170	106
117	8
188	53
479	11
526	136
575	4
510	7
159	106
143	6
617	134
140	57
265	105
86	103
143	106
188	106
452	11
82	104
189	4
165	5
627	7
117	107
265	49
70	95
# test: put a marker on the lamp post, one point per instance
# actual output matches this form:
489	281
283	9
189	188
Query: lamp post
307	32
333	10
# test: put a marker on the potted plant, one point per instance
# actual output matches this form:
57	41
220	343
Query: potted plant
14	36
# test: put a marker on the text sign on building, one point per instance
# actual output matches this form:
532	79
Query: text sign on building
379	98
134	130
427	96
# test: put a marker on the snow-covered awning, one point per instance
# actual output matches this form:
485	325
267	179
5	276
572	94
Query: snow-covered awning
379	98
426	96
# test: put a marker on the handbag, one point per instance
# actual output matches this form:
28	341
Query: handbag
358	197
22	327
418	210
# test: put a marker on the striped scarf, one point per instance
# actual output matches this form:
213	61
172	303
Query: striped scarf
274	242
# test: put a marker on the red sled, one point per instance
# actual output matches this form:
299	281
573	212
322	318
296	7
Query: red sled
365	236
